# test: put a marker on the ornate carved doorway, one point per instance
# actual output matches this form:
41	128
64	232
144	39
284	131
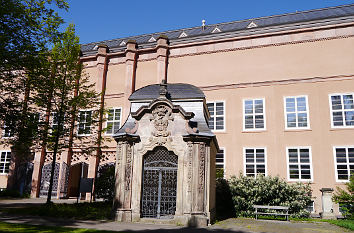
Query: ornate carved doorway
159	184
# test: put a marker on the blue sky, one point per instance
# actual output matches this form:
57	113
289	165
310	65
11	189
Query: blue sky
98	20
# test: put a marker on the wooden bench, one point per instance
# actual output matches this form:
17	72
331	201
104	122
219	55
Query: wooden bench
283	209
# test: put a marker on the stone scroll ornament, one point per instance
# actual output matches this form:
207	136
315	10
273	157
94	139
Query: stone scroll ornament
160	117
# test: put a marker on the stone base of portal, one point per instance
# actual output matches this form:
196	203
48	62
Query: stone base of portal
123	215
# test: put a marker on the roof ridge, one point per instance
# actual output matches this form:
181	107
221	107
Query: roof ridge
218	24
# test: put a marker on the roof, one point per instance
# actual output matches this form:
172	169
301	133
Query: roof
174	91
296	20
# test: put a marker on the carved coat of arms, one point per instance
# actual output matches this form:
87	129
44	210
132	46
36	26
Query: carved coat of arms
160	117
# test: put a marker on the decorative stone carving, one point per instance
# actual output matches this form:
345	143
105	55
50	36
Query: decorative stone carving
189	168
201	169
128	166
107	157
160	117
80	157
49	157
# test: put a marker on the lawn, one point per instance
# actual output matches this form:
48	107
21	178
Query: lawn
82	211
23	228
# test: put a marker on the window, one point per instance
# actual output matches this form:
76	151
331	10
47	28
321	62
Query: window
84	123
5	162
7	132
220	163
311	207
55	120
254	161
342	110
299	164
217	115
296	112
113	120
254	117
344	162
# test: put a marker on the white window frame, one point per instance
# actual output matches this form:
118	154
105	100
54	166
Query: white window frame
335	162
288	163
224	116
120	118
265	160
254	114
296	113
2	169
342	110
78	122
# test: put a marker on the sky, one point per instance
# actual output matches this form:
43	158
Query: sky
98	20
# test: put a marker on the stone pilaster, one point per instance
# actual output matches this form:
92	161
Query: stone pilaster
130	62
196	207
124	177
162	58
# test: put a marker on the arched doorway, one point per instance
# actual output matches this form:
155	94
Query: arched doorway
159	187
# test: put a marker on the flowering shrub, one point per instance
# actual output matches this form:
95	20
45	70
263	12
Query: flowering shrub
267	190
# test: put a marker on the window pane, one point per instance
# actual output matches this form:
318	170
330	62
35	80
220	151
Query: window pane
248	122
290	104
336	102
248	106
349	117
337	118
110	115
291	119
258	106
348	102
301	103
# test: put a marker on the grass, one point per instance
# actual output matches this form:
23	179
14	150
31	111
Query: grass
24	228
346	223
82	211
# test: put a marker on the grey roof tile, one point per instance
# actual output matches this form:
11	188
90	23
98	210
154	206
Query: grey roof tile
276	20
174	90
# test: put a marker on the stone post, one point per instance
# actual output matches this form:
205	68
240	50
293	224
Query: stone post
198	187
124	177
162	58
327	204
130	62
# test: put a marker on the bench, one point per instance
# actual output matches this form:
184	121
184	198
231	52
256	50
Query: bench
283	209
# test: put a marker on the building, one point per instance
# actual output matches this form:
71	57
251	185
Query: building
279	90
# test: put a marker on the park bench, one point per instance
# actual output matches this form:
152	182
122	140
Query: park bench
279	211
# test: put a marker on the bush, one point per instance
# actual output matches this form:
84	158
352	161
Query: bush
267	190
105	181
10	193
224	206
345	198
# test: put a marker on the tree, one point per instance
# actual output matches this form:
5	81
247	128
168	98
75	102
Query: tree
27	29
346	198
67	89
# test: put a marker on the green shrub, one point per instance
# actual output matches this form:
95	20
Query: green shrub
10	193
104	183
345	198
224	206
267	190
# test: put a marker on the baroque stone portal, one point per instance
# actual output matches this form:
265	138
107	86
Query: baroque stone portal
165	165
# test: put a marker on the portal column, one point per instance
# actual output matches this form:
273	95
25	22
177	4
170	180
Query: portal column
124	177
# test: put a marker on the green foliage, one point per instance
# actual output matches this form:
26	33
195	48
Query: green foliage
267	190
224	205
219	173
105	182
346	198
25	228
83	211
